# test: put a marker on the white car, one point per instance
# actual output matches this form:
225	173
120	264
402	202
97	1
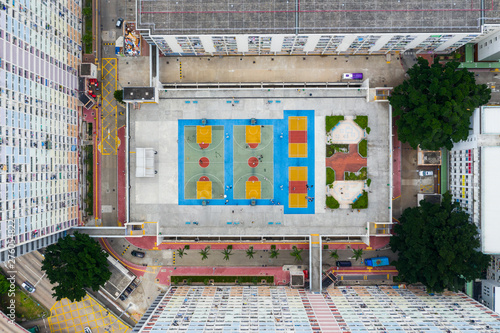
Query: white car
87	330
28	286
425	173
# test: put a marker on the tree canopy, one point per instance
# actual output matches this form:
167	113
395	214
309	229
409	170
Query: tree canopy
435	104
438	246
73	263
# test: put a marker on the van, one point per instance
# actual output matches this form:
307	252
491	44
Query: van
344	263
376	262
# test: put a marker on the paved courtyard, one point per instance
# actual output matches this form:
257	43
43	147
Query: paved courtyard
157	199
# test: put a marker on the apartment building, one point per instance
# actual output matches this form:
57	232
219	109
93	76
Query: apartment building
473	182
39	56
272	27
339	309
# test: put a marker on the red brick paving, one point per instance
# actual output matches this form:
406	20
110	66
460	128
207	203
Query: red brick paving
342	162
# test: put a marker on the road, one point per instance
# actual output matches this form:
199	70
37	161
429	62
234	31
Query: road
29	268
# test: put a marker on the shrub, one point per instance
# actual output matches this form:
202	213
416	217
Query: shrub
361	175
331	121
330	175
362	201
118	95
368	182
335	148
363	148
332	203
362	121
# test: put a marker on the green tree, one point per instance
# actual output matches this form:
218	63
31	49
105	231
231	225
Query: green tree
73	263
274	252
334	254
87	38
227	253
296	253
4	285
357	253
435	104
250	252
118	95
87	12
438	246
181	252
205	252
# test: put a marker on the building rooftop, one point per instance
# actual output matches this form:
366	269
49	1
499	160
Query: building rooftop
172	17
169	198
339	309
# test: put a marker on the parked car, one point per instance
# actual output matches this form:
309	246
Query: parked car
129	290
352	76
123	297
425	173
119	22
344	263
138	254
28	286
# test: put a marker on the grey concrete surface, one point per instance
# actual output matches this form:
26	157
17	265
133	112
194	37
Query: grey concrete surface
273	16
133	71
156	199
281	69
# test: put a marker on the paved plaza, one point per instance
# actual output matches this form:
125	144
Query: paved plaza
280	209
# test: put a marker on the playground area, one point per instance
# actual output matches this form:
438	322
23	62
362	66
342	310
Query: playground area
210	150
235	162
349	165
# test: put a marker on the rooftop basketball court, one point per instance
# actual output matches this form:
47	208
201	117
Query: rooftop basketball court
233	162
251	162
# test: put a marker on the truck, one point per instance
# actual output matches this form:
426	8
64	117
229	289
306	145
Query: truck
378	261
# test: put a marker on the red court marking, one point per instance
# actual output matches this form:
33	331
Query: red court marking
121	189
253	179
253	162
204	145
204	179
342	162
204	162
253	145
297	136
297	186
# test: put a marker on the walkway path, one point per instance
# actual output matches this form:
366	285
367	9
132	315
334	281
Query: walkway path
396	159
342	162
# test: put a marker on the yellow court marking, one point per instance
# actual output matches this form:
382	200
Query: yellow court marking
203	190
203	134
297	173
297	150
252	134
297	123
297	200
253	190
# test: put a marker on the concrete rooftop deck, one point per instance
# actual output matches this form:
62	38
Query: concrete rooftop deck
196	17
156	199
